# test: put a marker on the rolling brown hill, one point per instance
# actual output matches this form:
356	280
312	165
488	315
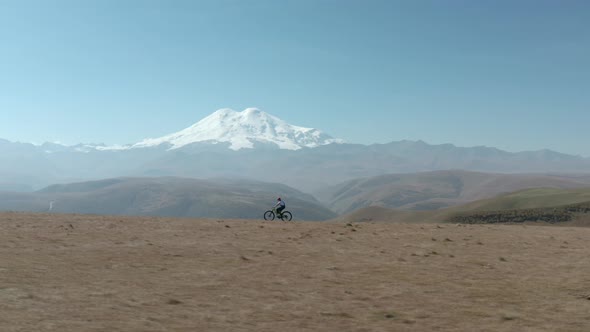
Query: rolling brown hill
528	199
435	190
167	196
570	206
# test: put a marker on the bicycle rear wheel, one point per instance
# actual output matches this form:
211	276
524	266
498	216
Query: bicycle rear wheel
287	216
269	215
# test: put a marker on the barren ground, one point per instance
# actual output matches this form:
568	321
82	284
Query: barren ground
94	273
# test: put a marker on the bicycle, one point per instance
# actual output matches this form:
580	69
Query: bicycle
271	214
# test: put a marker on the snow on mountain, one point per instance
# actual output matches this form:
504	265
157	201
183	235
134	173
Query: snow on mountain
242	130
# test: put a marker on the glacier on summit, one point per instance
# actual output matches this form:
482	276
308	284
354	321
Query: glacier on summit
242	130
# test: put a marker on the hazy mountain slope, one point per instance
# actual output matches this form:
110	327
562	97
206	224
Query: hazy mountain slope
426	157
29	202
178	197
434	190
547	203
528	199
312	170
23	166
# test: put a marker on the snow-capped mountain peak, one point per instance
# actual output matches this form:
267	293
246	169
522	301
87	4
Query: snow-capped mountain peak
242	130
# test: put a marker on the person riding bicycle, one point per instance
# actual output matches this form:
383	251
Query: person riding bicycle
280	206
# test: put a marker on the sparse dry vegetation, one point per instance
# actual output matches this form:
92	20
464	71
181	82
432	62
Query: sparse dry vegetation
549	215
97	273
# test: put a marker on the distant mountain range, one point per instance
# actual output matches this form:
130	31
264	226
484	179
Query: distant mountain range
254	145
248	129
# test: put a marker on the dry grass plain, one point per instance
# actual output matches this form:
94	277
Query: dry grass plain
96	273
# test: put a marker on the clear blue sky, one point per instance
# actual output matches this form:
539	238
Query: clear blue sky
510	74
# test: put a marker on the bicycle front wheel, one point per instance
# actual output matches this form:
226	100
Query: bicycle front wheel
287	216
269	215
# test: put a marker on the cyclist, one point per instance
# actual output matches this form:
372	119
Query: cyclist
280	207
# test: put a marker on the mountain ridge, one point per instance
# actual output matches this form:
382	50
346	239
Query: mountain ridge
243	129
550	205
435	190
255	145
307	169
167	196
